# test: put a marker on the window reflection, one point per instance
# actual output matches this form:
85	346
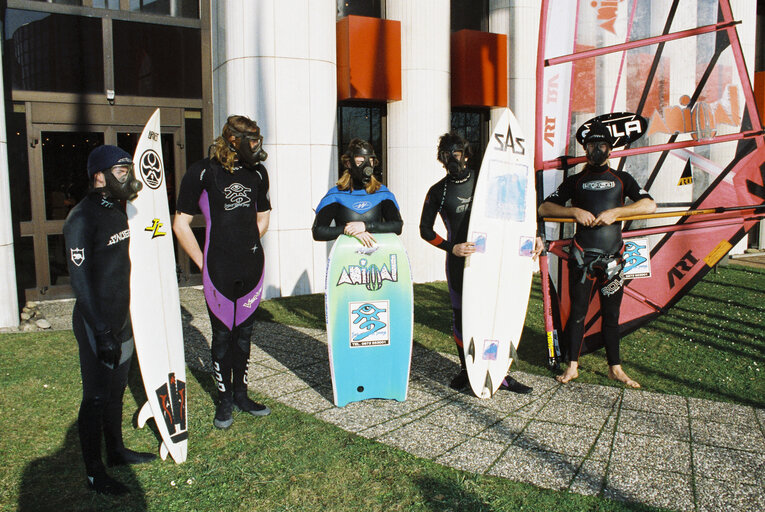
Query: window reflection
469	14
182	8
57	261
53	52
157	60
65	178
472	126
18	164
364	122
24	254
372	8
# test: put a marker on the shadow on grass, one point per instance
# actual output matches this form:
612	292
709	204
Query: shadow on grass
57	482
444	494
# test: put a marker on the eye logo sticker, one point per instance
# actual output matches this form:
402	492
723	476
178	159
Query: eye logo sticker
369	323
151	169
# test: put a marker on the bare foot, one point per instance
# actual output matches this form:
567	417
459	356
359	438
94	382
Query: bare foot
616	373
570	374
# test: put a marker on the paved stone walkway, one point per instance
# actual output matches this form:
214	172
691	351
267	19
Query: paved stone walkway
636	446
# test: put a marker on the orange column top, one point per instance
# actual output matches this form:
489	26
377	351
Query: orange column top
479	69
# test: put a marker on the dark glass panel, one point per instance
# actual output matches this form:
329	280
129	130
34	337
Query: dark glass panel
24	253
53	52
157	60
469	14
129	141
59	271
194	140
65	177
106	4
361	122
371	8
18	164
180	8
470	126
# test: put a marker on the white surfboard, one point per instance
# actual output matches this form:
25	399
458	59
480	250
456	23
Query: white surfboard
155	308
497	277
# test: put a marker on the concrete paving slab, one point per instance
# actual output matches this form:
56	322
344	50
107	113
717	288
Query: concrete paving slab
722	412
717	496
397	423
423	440
574	413
588	395
505	431
590	478
308	400
554	437
475	455
464	418
545	469
652	424
729	465
278	385
651	453
649	486
654	402
738	436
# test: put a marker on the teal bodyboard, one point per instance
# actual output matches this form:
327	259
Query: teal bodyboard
369	312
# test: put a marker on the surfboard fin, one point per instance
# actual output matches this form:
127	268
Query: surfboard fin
144	414
163	451
513	352
488	386
471	349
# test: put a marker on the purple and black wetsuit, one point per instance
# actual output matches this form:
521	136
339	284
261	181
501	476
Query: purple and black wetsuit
233	258
452	199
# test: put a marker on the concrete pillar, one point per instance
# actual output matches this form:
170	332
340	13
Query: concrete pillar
9	303
416	122
274	61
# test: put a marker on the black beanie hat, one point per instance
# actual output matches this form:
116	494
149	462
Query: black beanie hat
105	157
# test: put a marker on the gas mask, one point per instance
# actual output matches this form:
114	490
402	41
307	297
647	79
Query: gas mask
249	154
125	188
456	167
595	154
363	172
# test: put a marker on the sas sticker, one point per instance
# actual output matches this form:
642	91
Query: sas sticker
526	246
369	323
490	349
479	239
637	258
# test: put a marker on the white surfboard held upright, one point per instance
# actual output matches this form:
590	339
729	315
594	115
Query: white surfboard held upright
155	308
497	277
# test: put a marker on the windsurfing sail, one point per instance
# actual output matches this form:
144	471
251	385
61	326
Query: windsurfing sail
678	64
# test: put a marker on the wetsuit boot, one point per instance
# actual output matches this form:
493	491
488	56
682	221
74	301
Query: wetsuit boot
460	381
221	357
90	430
240	362
116	453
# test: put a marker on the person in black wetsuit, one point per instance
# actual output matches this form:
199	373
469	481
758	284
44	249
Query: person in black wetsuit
97	237
597	199
231	190
452	198
359	205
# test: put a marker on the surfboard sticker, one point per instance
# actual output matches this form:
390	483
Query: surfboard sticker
497	278
637	258
155	309
369	313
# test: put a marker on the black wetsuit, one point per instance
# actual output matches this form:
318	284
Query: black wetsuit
97	239
596	253
233	259
453	201
378	211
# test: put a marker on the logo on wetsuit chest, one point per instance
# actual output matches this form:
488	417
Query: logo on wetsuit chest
78	256
236	194
118	237
464	204
370	276
252	299
598	185
362	206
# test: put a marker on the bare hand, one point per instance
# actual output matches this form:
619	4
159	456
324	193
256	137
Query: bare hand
606	218
463	249
366	239
538	246
354	228
584	217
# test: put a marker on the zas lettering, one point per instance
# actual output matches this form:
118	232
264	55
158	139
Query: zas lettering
172	400
154	228
370	276
507	141
369	323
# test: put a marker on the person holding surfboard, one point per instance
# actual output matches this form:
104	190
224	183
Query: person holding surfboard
359	204
451	198
597	200
231	190
97	238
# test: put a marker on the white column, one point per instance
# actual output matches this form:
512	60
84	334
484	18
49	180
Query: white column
274	61
9	304
519	20
416	122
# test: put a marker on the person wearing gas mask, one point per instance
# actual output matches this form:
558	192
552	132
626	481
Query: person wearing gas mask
360	204
230	189
597	199
452	198
97	237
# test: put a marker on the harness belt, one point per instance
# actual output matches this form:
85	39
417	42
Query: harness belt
608	263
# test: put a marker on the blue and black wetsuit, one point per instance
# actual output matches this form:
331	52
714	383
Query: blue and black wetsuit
97	239
378	211
596	253
452	200
233	258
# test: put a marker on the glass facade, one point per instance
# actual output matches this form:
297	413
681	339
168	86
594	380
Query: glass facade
472	126
371	8
364	122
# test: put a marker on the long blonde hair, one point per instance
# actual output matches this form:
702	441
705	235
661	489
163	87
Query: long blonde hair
223	150
345	181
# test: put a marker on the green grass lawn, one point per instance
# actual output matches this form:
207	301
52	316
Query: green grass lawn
710	345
